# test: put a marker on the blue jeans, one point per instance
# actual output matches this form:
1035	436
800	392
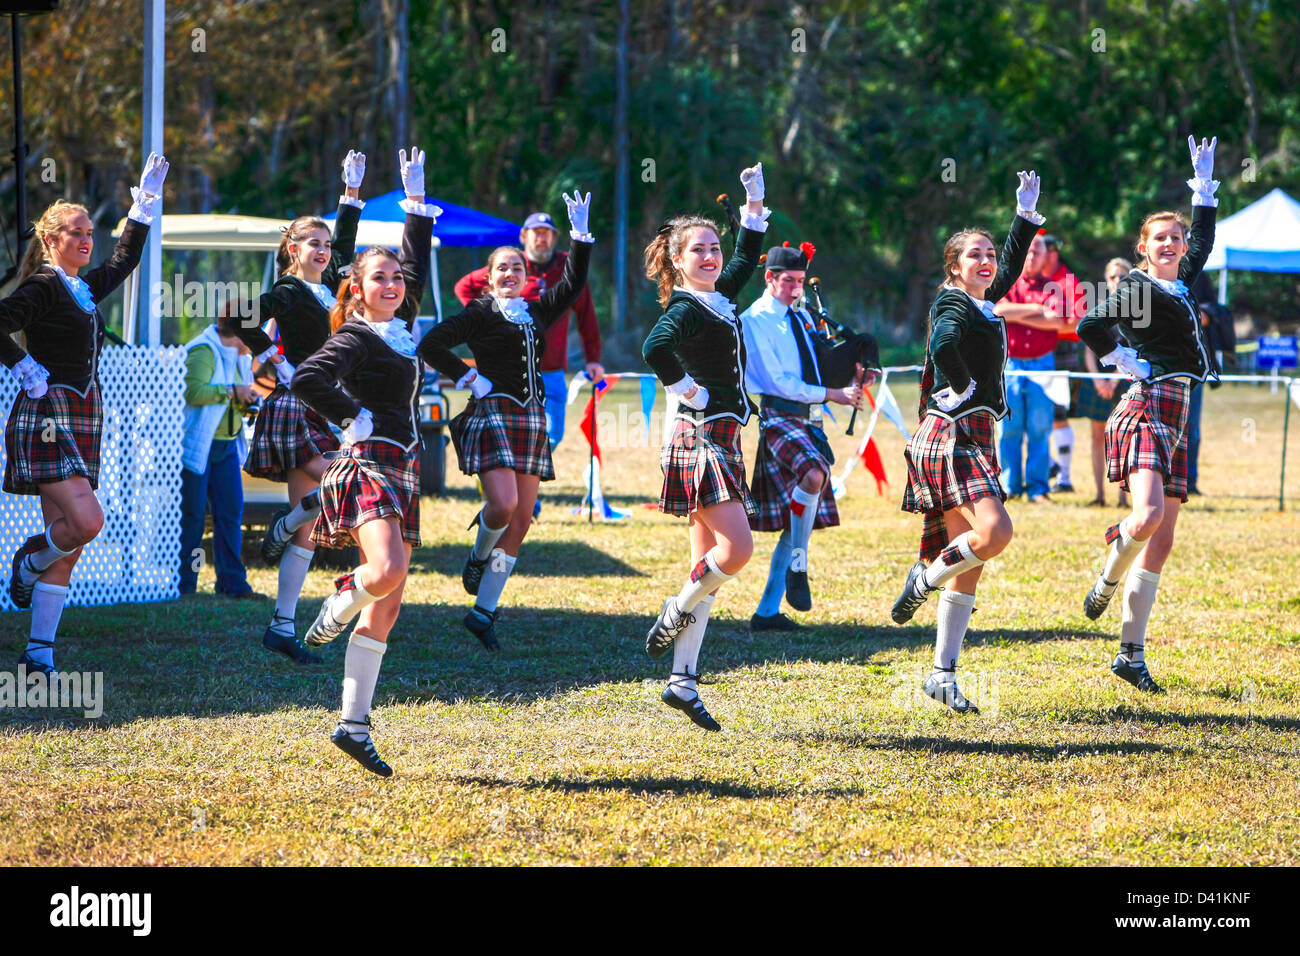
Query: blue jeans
556	394
1029	419
220	488
1194	433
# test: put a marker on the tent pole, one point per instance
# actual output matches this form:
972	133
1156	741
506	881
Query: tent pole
1223	285
1286	424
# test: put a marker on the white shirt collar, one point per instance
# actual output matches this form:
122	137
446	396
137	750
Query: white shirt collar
1175	287
80	291
513	309
394	332
322	292
984	305
715	301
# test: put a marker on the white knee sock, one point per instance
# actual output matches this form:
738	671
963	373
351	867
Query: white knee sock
47	608
953	618
360	674
803	515
957	558
686	651
494	580
303	512
705	577
31	567
293	572
1123	551
1063	441
1139	599
487	538
350	602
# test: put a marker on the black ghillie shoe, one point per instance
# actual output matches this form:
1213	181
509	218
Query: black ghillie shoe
363	750
693	708
472	575
773	622
20	593
796	582
288	644
664	631
1094	602
326	627
914	594
482	624
272	548
1136	674
34	666
948	693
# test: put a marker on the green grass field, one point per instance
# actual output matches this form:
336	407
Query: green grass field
558	750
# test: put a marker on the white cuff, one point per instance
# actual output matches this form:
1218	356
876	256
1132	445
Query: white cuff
481	386
680	388
25	367
426	209
581	236
755	223
360	428
284	372
349	201
266	356
464	380
1203	191
1037	218
142	206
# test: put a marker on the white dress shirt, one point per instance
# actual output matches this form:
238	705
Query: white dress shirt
772	365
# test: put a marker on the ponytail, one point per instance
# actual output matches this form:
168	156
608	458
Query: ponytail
659	253
52	220
297	231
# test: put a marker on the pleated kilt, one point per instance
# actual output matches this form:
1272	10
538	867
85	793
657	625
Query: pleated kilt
1148	429
494	432
786	452
365	482
703	466
949	464
53	438
286	435
1092	406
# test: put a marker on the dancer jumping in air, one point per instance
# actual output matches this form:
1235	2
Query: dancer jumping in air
697	349
952	461
1146	435
53	434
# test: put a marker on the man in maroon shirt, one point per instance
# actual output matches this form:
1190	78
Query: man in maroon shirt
545	267
1033	313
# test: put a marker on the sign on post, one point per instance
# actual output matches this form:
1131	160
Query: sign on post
1277	351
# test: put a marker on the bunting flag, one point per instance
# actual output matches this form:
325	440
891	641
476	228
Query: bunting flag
588	425
576	385
868	451
649	389
889	409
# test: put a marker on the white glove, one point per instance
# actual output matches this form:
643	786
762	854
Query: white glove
31	376
1027	191
155	171
284	372
354	169
947	400
1127	363
579	209
37	390
412	172
1203	184
360	428
478	385
752	180
699	400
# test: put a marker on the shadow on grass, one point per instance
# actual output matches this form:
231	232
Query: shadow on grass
648	786
1114	715
539	559
203	656
943	745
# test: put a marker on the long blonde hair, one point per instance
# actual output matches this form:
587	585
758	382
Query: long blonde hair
51	222
668	243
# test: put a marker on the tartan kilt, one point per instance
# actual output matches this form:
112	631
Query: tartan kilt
53	438
365	482
494	432
1092	406
787	452
949	464
1148	429
703	466
286	435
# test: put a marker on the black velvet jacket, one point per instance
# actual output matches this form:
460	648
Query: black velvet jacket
371	375
966	344
691	339
61	335
1165	329
303	323
507	353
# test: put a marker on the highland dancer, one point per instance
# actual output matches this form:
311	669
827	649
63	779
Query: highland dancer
952	462
53	434
697	349
366	378
1146	435
501	436
290	440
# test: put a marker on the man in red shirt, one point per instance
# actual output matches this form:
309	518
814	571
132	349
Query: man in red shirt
545	267
1032	309
1069	354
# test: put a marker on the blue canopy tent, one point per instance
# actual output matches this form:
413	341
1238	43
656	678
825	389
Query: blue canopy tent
1263	237
381	224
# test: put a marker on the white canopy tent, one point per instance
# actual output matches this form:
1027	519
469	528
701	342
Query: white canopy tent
1263	237
219	232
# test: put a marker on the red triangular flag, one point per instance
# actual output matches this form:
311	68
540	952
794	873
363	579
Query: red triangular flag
871	460
589	427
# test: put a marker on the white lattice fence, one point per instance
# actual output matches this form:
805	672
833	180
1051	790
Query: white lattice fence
136	557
